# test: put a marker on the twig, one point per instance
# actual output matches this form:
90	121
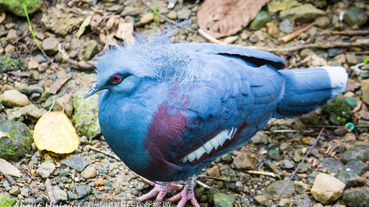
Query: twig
82	65
253	172
215	178
10	180
351	32
49	191
296	33
300	164
20	38
105	153
202	184
324	45
210	38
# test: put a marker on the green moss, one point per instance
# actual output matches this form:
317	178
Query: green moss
339	111
16	6
6	201
19	141
8	64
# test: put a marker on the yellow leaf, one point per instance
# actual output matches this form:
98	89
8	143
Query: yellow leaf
54	132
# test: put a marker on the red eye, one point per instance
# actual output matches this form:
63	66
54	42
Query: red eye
116	79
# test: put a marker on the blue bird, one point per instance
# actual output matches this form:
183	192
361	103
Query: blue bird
169	109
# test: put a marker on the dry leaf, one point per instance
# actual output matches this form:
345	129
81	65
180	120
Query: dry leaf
54	132
8	169
83	26
221	18
125	32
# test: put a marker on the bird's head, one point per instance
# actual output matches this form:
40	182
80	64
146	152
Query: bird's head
122	69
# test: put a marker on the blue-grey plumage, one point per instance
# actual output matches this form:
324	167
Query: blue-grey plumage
168	110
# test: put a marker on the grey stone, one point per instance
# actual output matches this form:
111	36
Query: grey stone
89	172
302	200
14	191
184	13
274	152
223	200
287	164
286	26
356	197
46	168
64	102
357	182
88	50
82	191
76	162
59	194
355	17
332	52
352	169
15	140
276	187
303	13
357	152
332	165
12	36
31	112
259	138
322	22
50	45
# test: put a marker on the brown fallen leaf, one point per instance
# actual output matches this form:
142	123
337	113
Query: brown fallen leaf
221	18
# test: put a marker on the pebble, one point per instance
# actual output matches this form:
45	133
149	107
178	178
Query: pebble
12	98
89	172
357	182
332	165
352	169
32	63
88	50
259	138
287	164
14	190
76	162
302	200
261	19
341	58
302	187
365	91
230	39
46	168
303	13
59	194
364	136
274	152
243	162
146	18
223	200
349	137
332	52
357	152
12	36
272	28
326	188
172	15
286	26
276	187
64	102
213	171
184	13
322	22
355	17
351	59
50	45
356	197
9	50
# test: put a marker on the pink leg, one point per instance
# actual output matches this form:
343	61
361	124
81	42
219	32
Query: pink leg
159	191
186	194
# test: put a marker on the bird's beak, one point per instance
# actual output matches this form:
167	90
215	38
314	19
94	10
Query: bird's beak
91	91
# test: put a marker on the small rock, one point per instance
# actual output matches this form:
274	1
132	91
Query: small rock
59	194
332	165
274	152
356	197
65	102
15	141
7	168
88	50
146	18
243	161
30	111
227	158
261	19
302	187
276	187
230	39
89	172
351	59
286	26
303	13
322	22
363	136
184	13
213	171
287	164
254	38
50	45
82	191
332	52
365	91
327	189
352	169
12	36
223	200
357	152
272	28
357	182
260	199
349	137
259	138
76	162
46	168
306	52
341	58
14	191
284	146
32	64
12	98
172	15
302	201
355	17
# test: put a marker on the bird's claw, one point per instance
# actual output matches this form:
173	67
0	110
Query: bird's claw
186	194
159	191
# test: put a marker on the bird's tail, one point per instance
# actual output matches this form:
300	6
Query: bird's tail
307	89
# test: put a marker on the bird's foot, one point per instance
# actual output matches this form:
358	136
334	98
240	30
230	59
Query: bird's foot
186	194
159	191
